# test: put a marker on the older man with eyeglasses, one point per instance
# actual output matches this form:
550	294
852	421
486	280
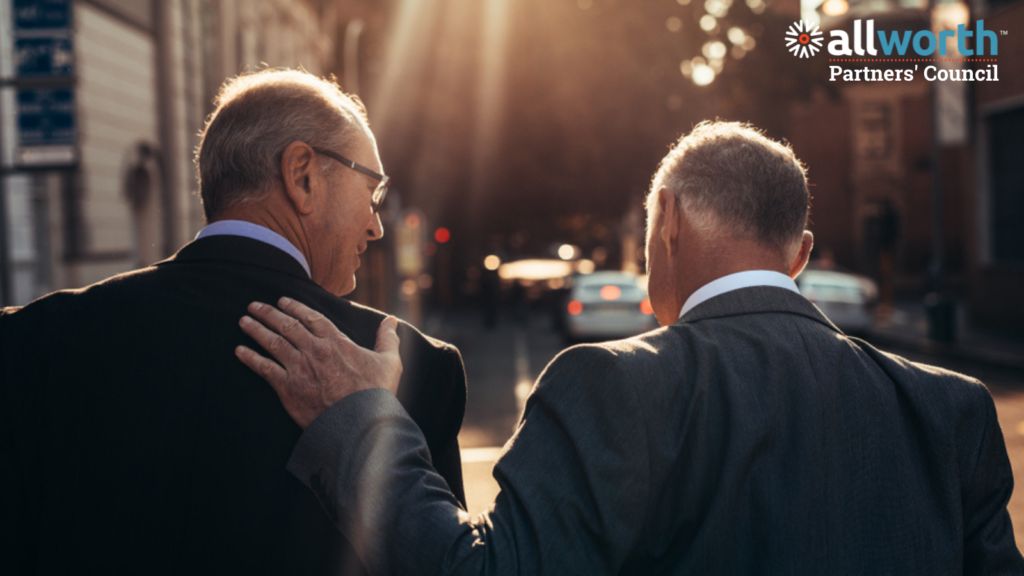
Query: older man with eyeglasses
132	440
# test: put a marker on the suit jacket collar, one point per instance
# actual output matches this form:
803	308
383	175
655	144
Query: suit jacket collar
756	300
238	249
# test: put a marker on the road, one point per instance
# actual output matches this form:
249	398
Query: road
503	362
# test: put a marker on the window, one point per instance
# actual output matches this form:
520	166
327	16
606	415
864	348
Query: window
874	131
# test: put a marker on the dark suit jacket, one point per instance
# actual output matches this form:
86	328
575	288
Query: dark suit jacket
751	437
132	441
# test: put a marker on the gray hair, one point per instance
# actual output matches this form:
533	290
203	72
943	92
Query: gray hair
257	116
732	180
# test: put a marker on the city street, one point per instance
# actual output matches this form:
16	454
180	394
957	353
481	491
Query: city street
502	364
500	174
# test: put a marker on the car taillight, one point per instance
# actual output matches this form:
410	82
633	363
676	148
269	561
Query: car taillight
610	292
575	307
645	307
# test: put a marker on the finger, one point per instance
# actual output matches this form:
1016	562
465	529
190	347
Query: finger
387	346
285	325
314	321
387	337
264	367
279	348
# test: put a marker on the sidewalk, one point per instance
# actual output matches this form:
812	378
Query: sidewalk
907	329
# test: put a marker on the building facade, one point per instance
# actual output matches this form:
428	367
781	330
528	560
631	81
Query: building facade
997	272
874	164
143	77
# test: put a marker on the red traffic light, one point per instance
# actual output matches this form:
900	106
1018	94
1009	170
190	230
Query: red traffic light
442	235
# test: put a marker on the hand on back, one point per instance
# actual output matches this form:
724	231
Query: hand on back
317	365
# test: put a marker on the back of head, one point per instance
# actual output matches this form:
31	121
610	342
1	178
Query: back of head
733	181
256	117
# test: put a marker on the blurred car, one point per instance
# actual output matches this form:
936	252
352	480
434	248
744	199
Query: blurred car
845	299
608	305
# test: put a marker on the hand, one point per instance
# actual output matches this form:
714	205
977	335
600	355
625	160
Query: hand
319	365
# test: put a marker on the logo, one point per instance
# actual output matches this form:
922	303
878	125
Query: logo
803	40
925	42
945	45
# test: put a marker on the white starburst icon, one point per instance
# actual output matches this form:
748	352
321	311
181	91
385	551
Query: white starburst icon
803	40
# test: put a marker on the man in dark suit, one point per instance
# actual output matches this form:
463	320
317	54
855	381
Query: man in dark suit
747	436
131	441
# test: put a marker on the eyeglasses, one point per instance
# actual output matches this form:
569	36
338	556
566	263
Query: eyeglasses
378	193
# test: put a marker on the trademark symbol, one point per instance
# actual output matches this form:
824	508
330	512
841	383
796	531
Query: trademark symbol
1004	33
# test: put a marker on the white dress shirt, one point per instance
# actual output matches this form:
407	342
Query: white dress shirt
256	232
735	282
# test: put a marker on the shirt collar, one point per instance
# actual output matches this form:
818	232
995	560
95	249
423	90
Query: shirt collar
256	232
736	281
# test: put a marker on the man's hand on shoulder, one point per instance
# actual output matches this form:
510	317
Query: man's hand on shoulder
317	365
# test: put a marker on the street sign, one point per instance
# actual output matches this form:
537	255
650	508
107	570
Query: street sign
41	14
45	56
46	126
46	117
38	106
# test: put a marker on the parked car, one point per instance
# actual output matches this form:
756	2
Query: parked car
608	305
846	299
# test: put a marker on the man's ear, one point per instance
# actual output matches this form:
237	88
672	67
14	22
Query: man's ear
297	170
802	255
668	206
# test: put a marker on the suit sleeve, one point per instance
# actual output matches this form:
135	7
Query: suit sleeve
989	546
574	481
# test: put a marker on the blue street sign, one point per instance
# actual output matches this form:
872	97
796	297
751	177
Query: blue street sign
46	117
43	57
41	14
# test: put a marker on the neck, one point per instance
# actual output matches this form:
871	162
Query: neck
721	259
275	216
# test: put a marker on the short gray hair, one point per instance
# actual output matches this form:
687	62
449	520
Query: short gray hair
730	179
257	116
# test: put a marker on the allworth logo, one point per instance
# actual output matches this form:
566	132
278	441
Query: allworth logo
803	40
916	48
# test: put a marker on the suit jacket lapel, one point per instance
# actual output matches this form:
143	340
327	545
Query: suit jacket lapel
756	300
